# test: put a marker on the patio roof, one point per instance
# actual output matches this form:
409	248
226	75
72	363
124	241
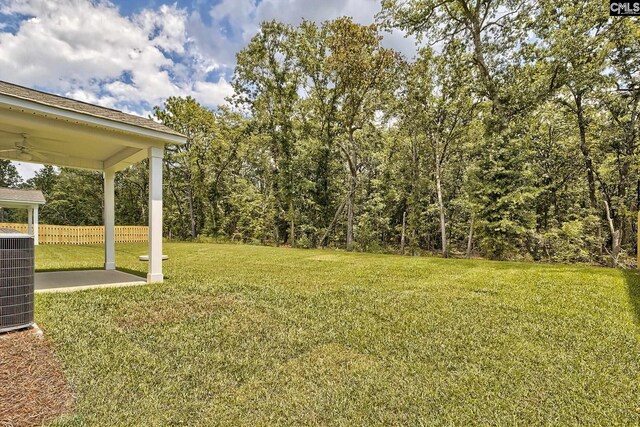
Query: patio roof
48	129
44	98
44	128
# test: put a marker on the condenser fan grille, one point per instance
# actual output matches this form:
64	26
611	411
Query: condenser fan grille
16	281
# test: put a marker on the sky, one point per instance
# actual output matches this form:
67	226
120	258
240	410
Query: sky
132	54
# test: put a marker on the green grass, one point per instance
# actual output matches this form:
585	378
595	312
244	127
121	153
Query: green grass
247	335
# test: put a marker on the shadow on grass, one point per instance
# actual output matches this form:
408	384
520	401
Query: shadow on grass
139	273
632	280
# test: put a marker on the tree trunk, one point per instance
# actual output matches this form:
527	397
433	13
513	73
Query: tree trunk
588	161
214	221
350	202
173	192
584	148
333	221
404	227
443	222
470	241
292	229
413	242
415	180
616	237
352	190
192	215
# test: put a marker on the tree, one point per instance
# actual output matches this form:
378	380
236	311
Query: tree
620	134
512	134
364	73
494	31
598	58
438	110
573	35
266	81
184	164
44	180
318	111
76	198
132	194
9	176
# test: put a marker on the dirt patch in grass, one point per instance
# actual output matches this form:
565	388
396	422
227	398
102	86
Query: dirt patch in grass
33	390
176	310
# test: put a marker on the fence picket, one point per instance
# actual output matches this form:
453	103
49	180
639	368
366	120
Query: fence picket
82	235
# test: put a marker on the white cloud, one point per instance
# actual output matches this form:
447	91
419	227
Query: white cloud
90	52
237	12
87	50
169	23
245	18
211	93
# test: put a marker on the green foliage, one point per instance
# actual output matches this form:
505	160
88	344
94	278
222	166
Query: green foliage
198	173
75	198
574	242
9	176
518	133
503	189
304	242
437	112
132	195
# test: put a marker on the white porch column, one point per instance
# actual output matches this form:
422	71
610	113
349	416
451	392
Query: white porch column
155	215
109	217
30	221
36	229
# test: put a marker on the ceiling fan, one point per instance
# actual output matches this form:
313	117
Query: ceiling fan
24	151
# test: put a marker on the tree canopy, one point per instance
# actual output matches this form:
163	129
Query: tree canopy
512	133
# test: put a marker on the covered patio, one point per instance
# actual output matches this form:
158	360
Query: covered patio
47	129
66	281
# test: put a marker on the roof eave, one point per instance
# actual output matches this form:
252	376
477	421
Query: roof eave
21	202
89	119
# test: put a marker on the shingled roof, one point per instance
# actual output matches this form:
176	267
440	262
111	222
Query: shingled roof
21	196
21	92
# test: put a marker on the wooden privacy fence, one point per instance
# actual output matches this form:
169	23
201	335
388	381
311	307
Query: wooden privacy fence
83	235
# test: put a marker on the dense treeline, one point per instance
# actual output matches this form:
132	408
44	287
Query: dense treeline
512	133
75	197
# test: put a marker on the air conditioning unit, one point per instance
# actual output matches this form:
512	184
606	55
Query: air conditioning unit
16	280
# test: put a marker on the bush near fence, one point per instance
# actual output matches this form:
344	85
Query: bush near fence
82	235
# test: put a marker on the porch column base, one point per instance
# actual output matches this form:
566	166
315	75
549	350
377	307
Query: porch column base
155	278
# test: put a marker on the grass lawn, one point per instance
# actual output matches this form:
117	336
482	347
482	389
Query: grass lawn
247	335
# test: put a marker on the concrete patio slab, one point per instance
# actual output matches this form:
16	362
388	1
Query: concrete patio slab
67	281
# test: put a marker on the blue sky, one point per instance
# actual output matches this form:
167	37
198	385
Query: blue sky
131	55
